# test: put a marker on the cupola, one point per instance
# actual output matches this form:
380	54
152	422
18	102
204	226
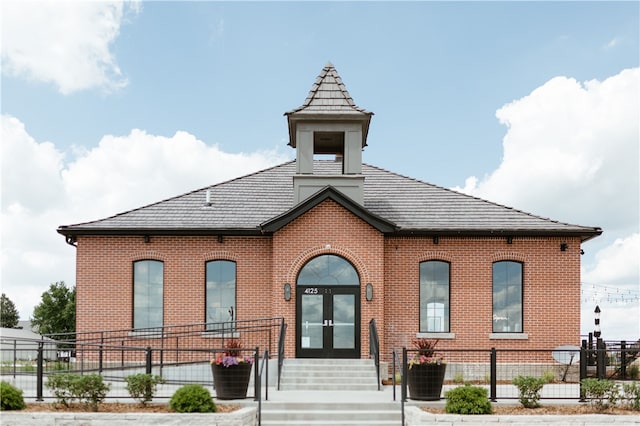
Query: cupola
328	124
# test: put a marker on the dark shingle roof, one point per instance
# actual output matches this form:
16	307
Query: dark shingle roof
328	99
329	95
241	205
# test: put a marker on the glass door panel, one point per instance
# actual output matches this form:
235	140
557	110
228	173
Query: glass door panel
312	321
344	321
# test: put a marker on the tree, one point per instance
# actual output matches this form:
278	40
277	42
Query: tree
56	313
8	312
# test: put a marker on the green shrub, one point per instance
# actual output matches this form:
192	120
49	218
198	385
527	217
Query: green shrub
458	378
58	366
600	392
88	389
10	397
634	371
467	399
142	387
631	395
529	390
549	376
61	387
29	368
192	399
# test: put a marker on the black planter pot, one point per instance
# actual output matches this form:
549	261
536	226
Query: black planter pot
425	381
231	382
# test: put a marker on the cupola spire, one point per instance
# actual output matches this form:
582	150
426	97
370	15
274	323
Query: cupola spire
329	122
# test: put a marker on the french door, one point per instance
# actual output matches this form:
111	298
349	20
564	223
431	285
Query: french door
328	321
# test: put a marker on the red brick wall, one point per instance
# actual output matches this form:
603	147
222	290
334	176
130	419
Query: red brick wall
104	289
265	264
329	229
551	289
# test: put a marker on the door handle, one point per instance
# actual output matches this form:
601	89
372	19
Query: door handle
327	323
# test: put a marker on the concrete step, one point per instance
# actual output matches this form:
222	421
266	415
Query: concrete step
324	379
329	374
328	361
328	387
324	413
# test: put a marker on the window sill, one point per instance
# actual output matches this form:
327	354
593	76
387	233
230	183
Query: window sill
147	334
435	335
509	336
217	335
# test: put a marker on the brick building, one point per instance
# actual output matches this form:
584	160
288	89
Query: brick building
329	243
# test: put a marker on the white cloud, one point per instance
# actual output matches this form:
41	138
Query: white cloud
41	190
613	283
36	183
571	153
126	172
617	263
66	43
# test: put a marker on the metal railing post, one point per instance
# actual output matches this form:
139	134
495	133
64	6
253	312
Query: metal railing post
40	371
256	375
493	373
148	360
266	380
403	389
583	368
15	357
100	349
623	359
600	359
393	371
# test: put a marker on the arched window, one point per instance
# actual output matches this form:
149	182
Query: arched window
148	284
434	296
220	291
328	269
507	297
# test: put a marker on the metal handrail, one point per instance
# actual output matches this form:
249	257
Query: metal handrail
403	388
258	382
283	330
396	363
222	329
374	347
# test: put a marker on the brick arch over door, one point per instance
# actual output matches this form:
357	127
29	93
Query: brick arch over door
310	253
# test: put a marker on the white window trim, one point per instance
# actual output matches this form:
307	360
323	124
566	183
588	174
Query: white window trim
147	334
216	335
509	336
435	335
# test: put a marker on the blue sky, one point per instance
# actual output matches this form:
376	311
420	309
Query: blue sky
109	106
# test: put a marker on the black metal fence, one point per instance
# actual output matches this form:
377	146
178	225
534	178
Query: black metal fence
495	369
183	355
178	354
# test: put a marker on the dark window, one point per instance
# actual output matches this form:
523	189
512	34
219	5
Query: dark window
221	291
434	296
148	283
507	297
